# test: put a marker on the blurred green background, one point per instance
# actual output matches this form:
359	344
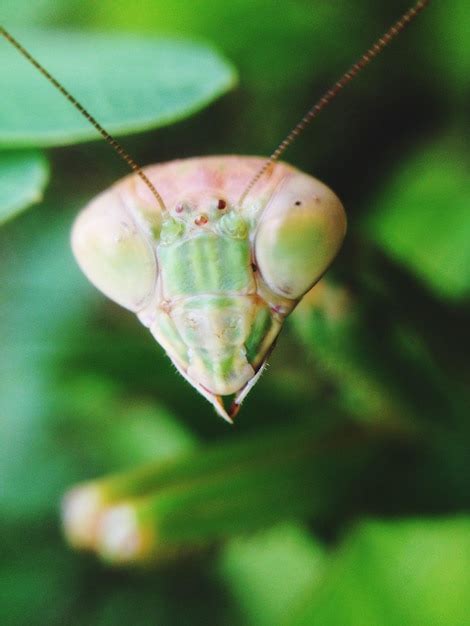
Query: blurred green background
381	345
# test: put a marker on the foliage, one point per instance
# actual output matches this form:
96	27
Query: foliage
23	176
380	347
113	76
409	223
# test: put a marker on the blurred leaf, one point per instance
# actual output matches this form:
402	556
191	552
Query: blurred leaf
23	176
42	582
450	52
114	432
260	35
23	599
186	596
22	11
43	302
379	369
284	52
333	329
129	84
270	571
412	572
422	218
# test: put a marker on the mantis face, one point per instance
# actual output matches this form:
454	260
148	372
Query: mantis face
212	279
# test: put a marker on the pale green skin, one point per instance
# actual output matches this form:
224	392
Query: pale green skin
213	285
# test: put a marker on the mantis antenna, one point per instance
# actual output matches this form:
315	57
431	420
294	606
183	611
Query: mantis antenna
334	90
125	156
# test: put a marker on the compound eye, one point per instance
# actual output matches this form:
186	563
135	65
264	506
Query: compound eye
299	234
114	253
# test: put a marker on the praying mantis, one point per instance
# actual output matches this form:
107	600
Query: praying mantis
213	253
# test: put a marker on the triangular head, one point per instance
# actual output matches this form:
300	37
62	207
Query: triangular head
211	278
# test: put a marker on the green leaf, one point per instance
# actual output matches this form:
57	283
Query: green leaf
380	366
18	579
129	84
422	219
260	37
23	176
270	571
447	48
410	572
115	432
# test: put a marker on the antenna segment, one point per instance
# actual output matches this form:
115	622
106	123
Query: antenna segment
104	133
333	91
